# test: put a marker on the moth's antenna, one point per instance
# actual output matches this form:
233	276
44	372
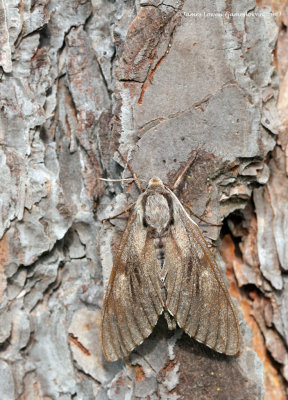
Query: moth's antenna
115	180
132	172
187	166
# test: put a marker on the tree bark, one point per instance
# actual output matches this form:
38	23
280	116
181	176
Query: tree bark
159	81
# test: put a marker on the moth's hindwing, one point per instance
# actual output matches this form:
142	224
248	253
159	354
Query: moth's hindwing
133	299
197	296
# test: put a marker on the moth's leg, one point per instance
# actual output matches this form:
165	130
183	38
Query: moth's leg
132	172
118	215
179	178
200	218
210	243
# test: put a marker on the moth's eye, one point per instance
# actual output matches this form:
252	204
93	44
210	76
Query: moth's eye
145	223
172	221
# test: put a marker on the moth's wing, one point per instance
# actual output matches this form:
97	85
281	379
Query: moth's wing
133	300
197	296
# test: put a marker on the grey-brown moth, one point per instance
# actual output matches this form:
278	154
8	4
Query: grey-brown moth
163	265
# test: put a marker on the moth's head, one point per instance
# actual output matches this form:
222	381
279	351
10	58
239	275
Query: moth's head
155	181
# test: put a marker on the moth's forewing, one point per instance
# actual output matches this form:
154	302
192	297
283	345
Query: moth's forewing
197	296
133	299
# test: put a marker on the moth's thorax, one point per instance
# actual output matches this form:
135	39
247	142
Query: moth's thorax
155	181
157	212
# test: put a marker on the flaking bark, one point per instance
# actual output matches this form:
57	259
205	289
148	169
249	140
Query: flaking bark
158	80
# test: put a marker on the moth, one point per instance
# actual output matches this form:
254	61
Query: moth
164	266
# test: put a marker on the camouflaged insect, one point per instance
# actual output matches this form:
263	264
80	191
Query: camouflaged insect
163	265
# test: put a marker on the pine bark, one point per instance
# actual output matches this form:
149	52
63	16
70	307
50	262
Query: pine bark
159	81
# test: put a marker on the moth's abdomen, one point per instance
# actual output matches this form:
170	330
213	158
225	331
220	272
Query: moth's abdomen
157	212
159	244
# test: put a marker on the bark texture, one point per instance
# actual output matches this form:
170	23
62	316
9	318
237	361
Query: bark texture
159	80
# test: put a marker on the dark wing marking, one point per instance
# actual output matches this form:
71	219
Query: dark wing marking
197	295
133	299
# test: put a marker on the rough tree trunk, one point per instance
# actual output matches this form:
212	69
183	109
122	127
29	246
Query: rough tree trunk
158	80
